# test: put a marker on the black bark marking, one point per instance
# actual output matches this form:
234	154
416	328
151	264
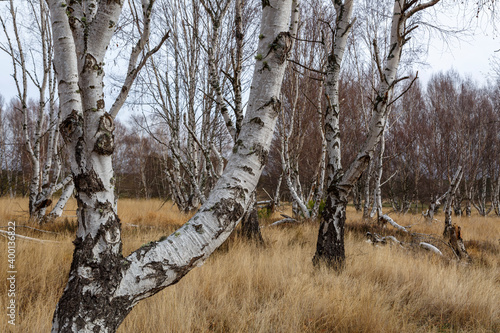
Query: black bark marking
237	145
248	170
227	211
261	153
275	104
88	183
183	270
79	151
238	191
198	228
257	121
90	62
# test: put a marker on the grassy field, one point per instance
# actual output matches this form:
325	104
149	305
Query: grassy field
242	288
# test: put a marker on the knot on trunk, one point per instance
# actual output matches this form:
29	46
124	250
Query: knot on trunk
281	46
105	143
70	125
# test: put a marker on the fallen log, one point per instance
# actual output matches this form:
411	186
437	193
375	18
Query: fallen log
287	219
376	238
387	219
431	248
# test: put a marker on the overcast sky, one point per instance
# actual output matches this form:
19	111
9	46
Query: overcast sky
470	56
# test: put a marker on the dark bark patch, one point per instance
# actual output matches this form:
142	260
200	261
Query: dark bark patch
281	46
238	191
248	170
70	125
227	211
330	246
88	183
90	62
159	272
237	145
104	144
104	208
100	104
261	153
198	228
79	151
257	121
103	276
275	105
44	204
106	123
180	271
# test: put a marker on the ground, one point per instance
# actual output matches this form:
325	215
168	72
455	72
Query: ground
243	288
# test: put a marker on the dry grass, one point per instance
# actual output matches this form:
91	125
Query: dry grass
242	288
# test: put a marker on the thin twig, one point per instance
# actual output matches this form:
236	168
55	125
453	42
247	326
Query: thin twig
25	226
28	238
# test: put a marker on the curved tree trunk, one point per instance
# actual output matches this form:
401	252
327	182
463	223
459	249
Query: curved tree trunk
104	286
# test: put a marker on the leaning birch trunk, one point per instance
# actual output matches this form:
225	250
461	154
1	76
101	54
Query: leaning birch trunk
452	233
330	246
377	192
496	197
104	286
322	161
366	190
61	203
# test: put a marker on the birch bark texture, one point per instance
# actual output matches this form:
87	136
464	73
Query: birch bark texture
330	246
104	286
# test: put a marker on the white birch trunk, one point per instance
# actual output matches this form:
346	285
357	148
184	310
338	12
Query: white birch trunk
322	161
330	246
103	286
452	233
61	203
377	191
366	190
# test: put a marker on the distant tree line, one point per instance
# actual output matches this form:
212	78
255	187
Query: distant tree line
450	121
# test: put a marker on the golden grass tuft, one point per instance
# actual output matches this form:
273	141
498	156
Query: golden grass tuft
244	288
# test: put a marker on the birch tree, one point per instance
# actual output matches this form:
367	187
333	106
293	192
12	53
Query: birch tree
40	129
452	233
104	286
330	245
